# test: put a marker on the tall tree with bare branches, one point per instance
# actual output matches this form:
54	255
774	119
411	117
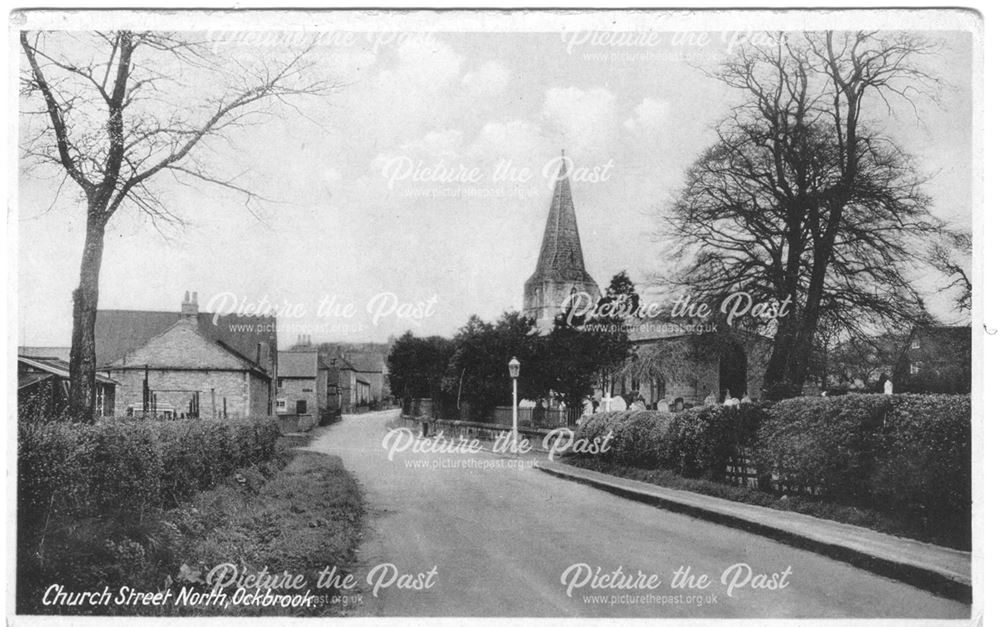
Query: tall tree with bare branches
116	111
800	198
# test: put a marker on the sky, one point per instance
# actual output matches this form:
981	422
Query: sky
415	193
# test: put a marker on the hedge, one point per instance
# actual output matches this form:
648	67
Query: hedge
695	442
123	468
905	453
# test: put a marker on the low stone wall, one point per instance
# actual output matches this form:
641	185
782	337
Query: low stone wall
484	432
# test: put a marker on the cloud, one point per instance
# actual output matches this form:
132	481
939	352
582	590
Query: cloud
490	79
650	115
425	62
512	139
585	119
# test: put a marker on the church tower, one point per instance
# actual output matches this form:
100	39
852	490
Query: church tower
560	271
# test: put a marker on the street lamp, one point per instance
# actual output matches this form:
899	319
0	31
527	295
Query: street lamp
515	369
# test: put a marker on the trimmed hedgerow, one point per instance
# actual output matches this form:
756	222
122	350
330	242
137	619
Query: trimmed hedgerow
824	443
924	462
125	468
909	454
694	442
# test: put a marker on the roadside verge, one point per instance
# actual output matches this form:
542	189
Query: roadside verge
941	570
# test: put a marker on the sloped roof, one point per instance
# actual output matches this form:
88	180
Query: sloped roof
59	352
180	345
119	331
561	256
298	364
57	367
366	362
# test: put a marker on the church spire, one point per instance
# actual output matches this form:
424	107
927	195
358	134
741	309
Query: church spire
561	255
560	270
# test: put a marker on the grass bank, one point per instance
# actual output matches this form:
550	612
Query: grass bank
861	517
298	512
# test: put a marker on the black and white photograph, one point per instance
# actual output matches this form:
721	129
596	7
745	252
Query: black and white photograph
485	314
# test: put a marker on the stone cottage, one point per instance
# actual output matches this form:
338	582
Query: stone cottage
177	364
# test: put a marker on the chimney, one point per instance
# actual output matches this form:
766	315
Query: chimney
189	308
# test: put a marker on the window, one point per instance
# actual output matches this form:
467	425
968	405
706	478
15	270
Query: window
300	407
915	343
280	404
306	390
915	367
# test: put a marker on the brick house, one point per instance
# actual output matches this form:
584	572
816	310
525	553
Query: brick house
179	363
302	389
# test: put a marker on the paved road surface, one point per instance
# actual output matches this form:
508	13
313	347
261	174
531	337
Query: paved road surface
501	538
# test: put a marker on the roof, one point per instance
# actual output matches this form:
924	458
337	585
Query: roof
119	331
367	362
298	364
59	352
339	362
57	367
561	256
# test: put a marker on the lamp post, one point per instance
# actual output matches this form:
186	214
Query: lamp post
515	369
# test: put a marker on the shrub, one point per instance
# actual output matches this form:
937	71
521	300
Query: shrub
924	461
119	469
824	443
694	442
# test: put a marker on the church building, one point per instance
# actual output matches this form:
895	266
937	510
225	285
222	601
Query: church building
674	364
560	271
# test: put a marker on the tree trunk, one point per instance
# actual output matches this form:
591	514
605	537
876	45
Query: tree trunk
82	356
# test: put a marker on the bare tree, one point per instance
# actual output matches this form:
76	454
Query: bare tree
947	255
120	109
800	199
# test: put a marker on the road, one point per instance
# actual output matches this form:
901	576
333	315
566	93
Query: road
501	539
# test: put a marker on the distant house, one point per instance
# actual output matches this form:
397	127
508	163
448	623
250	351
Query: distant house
43	388
348	390
302	389
935	359
188	363
372	369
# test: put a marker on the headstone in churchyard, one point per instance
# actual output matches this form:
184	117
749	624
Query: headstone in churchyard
710	399
746	398
637	406
888	386
663	405
588	407
617	404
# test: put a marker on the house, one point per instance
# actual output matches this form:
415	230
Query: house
189	363
348	389
935	359
373	371
302	389
43	388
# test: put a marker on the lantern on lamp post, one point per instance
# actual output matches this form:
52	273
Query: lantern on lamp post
515	369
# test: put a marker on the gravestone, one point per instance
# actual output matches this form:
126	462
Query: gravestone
663	405
617	404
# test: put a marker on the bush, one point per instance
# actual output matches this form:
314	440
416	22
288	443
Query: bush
824	443
122	468
924	461
695	442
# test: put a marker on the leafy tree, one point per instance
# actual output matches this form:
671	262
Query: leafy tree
418	365
801	198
